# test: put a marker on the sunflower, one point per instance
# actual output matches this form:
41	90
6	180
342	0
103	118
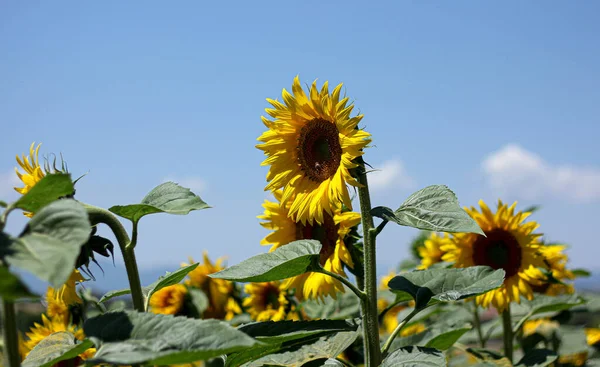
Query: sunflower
556	261
541	326
267	301
431	252
59	300
169	300
592	336
218	291
33	170
412	329
331	233
510	245
49	326
311	144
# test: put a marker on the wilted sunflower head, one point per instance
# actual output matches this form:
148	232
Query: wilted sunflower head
331	233
311	144
510	244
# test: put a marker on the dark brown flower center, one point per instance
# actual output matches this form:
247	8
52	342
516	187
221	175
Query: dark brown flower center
499	250
319	149
270	296
326	233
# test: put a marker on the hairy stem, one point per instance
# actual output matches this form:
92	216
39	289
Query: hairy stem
397	330
477	323
508	334
371	325
99	215
11	338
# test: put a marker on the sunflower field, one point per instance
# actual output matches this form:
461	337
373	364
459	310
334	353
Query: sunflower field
482	287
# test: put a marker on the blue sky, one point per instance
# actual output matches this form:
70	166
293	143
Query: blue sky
494	99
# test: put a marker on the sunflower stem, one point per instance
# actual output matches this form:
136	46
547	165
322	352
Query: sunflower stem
11	338
397	330
371	325
99	215
361	295
508	334
477	322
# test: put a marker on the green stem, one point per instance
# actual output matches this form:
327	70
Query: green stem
388	343
361	295
11	338
508	333
371	326
478	325
99	215
4	215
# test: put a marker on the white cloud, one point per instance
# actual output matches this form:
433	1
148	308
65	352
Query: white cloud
8	181
516	171
390	174
196	184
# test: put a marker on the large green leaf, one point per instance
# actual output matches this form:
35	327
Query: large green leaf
537	358
165	198
434	208
293	259
439	336
415	357
283	331
345	306
51	242
296	352
60	346
167	280
11	287
129	337
48	189
324	362
447	284
544	304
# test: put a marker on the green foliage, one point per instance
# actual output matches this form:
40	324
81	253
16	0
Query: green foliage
48	189
537	358
11	287
545	304
293	259
167	280
165	198
447	284
346	305
112	294
434	208
441	335
60	346
128	337
581	273
414	356
51	242
283	331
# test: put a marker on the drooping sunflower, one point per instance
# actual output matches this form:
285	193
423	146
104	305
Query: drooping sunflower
556	260
331	233
431	251
49	326
169	300
310	145
510	245
59	300
268	301
218	291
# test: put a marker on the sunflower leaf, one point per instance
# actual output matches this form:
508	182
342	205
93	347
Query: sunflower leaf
167	280
440	335
112	294
60	346
51	242
11	287
283	331
294	352
414	356
293	259
344	306
434	208
128	337
581	273
537	358
50	188
165	198
443	285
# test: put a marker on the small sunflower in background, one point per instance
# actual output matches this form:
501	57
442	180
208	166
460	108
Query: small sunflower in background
311	144
218	291
268	302
511	245
331	233
431	252
59	301
169	300
556	261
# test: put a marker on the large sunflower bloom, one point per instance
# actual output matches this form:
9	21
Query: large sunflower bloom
169	300
510	245
330	233
218	291
310	146
431	251
49	326
267	301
